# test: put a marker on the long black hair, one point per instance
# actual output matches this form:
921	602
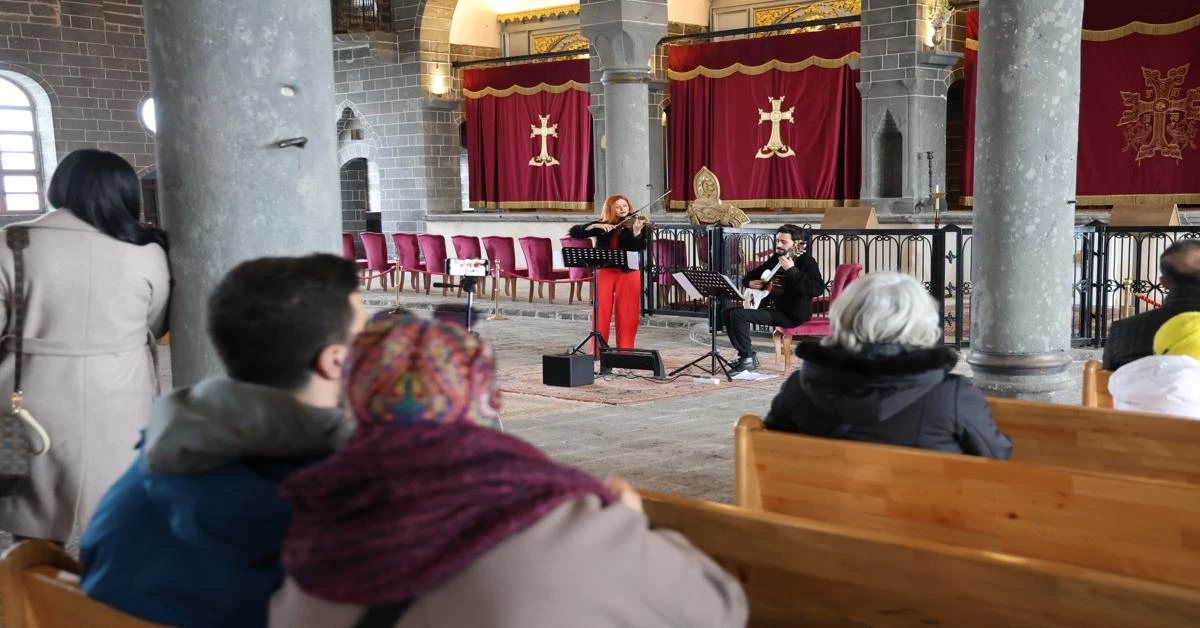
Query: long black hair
102	189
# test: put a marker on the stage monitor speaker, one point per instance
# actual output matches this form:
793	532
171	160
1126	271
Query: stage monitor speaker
568	370
638	359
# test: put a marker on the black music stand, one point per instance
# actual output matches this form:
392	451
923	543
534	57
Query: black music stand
594	258
715	287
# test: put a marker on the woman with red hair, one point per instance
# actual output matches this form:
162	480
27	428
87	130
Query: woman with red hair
617	289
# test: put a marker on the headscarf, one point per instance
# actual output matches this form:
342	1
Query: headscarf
425	485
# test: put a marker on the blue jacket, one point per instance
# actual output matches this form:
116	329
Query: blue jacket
190	535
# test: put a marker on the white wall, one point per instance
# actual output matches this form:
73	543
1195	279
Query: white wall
688	11
474	24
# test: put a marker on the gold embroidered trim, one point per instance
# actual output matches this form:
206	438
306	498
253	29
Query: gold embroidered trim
750	205
526	91
973	44
755	70
537	14
1142	28
563	205
1139	199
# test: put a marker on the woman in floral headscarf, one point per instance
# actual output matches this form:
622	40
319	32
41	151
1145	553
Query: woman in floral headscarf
431	517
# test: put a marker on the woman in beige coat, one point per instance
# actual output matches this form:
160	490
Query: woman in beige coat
96	288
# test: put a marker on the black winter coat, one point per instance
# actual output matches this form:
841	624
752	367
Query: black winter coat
887	394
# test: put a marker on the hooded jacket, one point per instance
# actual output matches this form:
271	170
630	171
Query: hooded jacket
190	535
1164	384
887	394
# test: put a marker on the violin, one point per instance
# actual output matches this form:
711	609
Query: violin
633	216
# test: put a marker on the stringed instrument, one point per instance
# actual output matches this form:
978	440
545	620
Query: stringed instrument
772	280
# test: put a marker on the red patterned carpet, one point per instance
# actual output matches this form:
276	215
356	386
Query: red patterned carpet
626	387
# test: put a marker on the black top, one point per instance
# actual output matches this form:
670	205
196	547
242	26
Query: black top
1133	337
887	394
626	241
801	284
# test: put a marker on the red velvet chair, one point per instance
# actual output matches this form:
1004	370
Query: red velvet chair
408	258
433	249
468	247
375	246
349	253
539	256
817	326
579	277
503	250
669	256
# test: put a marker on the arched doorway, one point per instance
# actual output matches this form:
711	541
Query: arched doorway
355	198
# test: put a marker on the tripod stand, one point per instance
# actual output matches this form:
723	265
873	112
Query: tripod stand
715	287
594	258
468	285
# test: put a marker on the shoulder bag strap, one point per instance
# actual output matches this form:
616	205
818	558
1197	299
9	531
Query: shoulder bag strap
18	239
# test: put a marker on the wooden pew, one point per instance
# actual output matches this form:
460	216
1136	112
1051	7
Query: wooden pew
1137	527
798	572
1095	385
39	588
1101	439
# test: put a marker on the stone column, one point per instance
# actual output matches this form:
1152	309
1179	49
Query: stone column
232	80
1026	133
624	33
903	80
658	156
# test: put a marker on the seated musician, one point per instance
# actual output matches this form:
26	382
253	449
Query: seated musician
796	280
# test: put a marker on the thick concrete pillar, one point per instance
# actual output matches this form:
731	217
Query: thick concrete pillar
232	81
624	33
903	81
1026	132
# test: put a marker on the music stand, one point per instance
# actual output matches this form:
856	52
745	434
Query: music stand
715	287
594	258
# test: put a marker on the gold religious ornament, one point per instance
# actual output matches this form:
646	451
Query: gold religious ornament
559	42
775	146
708	209
544	158
804	12
1167	120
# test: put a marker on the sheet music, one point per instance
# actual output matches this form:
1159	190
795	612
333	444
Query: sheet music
732	286
633	259
688	286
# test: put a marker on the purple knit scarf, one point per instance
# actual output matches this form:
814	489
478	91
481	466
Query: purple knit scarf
403	508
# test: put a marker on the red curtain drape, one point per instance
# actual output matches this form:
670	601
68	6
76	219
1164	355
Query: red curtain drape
1139	136
505	107
721	106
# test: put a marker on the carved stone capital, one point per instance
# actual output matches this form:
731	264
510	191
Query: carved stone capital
624	33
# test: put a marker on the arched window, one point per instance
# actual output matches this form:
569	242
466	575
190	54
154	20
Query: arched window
20	183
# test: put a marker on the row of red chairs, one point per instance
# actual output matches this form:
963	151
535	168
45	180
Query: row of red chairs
425	255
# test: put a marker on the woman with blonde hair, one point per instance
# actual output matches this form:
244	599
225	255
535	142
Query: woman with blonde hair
617	289
883	376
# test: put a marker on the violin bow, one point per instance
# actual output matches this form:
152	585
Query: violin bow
635	212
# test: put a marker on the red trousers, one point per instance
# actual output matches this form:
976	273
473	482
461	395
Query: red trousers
624	290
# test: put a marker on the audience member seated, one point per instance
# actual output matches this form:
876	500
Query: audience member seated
883	376
430	516
190	535
1133	338
1169	381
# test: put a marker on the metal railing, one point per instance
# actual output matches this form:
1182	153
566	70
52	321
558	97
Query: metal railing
1114	266
361	16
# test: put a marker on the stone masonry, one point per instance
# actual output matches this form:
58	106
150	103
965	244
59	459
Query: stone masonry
90	58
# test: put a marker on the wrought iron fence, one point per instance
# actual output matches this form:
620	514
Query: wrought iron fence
1113	267
361	16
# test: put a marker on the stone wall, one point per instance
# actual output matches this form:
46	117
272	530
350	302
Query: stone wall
354	195
90	59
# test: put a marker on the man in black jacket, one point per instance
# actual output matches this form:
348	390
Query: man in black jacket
1133	337
799	281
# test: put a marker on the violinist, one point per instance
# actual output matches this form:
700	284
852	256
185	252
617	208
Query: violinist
617	289
795	280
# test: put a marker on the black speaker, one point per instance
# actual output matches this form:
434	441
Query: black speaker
638	359
567	370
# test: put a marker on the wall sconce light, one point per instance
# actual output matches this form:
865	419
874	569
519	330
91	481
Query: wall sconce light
664	118
439	82
938	15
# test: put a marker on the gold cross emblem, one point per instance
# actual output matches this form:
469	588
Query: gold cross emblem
1166	121
775	146
543	158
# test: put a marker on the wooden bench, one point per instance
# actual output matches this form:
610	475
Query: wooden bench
1095	385
798	572
1138	527
1101	439
39	588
